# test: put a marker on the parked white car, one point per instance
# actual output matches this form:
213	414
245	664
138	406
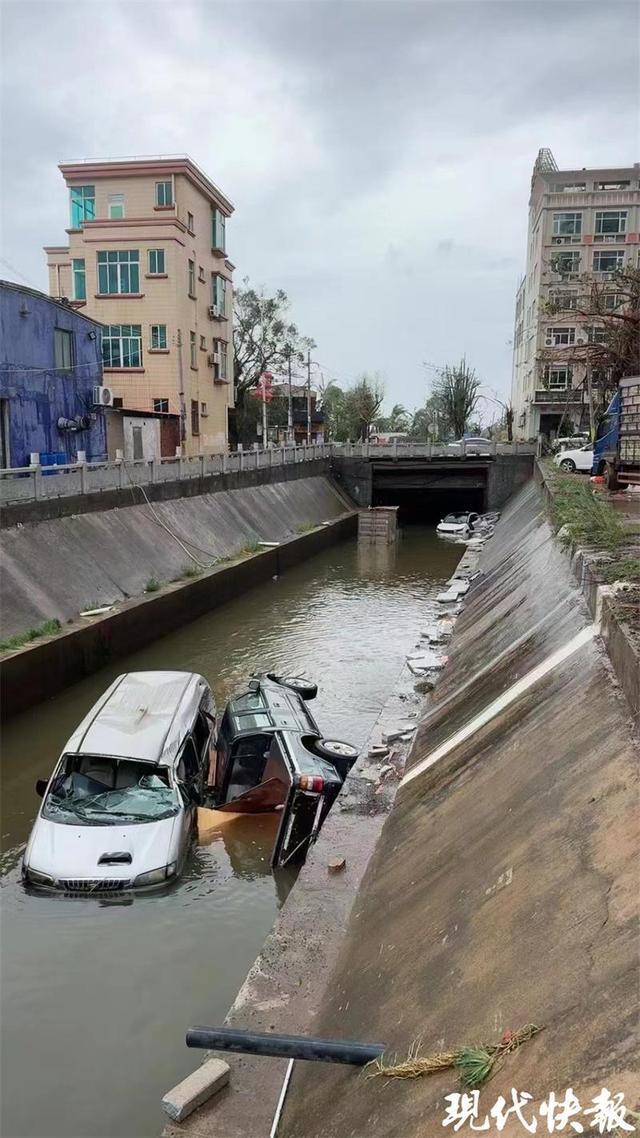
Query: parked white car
119	811
580	459
570	442
459	524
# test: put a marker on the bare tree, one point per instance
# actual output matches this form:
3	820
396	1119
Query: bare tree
364	400
263	337
457	390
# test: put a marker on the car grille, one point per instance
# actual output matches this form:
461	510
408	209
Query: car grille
92	885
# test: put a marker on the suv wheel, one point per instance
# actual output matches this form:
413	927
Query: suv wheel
305	688
335	749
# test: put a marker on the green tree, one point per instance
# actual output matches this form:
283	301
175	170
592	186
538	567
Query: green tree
457	391
363	401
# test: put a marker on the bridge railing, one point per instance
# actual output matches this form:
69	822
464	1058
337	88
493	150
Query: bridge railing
36	482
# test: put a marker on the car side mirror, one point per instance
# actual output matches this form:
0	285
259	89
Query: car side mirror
41	786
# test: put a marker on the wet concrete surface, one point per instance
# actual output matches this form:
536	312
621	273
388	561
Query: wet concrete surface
504	887
97	998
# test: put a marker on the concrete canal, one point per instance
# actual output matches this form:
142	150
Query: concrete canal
97	996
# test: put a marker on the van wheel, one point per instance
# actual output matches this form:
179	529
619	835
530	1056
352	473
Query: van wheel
305	688
568	465
335	749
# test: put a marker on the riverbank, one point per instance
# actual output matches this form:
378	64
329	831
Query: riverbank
500	889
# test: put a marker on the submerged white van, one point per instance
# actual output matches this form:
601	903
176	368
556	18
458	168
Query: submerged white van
119	811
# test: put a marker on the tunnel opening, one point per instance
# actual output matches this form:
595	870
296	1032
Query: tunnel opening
429	505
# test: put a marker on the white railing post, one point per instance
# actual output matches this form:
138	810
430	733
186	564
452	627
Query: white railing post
180	466
395	449
81	460
154	468
241	458
202	466
119	466
225	461
34	462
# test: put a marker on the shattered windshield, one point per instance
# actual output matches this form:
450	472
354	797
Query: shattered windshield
456	519
97	791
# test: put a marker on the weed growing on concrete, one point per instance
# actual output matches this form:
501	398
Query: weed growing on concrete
306	527
250	547
152	585
49	628
587	518
626	569
187	572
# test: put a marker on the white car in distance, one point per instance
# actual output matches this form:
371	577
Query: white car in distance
572	460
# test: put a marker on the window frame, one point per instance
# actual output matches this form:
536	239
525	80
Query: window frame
126	263
220	348
219	289
195	417
602	214
160	331
550	369
575	262
162	194
598	255
558	231
63	349
191	278
81	205
76	275
161	410
193	351
190	223
560	336
118	204
156	252
218	231
110	337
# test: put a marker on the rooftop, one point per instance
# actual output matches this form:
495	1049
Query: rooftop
12	286
122	167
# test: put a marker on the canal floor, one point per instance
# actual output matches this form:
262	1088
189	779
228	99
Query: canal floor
96	997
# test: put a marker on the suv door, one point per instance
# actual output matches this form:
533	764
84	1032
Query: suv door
188	773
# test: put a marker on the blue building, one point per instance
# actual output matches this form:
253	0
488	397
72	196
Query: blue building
50	364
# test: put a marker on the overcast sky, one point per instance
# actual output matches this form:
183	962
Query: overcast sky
378	153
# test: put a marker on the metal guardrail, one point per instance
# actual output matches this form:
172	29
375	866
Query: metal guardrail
37	483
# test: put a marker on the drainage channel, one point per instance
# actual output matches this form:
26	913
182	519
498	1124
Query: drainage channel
97	996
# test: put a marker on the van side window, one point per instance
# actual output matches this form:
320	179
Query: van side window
188	765
201	733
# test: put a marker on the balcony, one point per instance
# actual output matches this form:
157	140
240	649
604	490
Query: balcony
300	417
560	395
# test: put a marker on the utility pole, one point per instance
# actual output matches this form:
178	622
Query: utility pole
308	396
290	400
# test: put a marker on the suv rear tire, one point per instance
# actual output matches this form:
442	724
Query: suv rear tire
306	689
332	749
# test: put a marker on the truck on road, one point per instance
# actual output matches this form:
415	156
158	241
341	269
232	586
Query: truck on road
616	451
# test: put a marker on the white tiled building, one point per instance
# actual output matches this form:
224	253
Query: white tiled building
580	221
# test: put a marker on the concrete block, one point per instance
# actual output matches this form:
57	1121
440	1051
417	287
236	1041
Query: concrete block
197	1088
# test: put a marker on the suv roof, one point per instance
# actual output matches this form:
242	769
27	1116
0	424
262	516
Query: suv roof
143	715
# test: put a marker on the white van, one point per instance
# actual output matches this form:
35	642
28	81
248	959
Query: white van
119	811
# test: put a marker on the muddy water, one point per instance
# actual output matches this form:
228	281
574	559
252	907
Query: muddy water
96	997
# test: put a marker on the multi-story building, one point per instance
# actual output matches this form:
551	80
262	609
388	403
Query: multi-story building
147	258
583	224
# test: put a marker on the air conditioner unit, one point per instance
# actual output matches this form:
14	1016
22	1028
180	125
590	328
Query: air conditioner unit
213	358
214	311
102	397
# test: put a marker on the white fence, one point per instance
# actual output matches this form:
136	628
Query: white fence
35	483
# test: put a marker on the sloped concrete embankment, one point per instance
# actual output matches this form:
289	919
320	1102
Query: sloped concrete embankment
57	568
504	885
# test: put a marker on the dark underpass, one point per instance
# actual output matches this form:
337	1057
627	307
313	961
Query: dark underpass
427	506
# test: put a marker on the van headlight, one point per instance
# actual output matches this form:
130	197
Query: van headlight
156	876
35	877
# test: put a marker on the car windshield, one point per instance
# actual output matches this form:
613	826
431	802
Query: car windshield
456	519
98	791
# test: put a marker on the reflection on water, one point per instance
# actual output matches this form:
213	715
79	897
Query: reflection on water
96	998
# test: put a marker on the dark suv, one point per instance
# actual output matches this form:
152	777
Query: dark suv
272	756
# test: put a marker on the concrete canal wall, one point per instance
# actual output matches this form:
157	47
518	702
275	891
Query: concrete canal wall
500	890
60	567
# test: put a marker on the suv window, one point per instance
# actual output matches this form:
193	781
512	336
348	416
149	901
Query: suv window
201	733
188	765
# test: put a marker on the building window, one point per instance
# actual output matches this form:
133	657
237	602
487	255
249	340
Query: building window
203	343
596	335
190	225
611	185
116	206
566	263
557	377
219	293
119	272
195	417
122	345
567	224
192	278
611	221
63	349
161	405
193	359
203	409
164	193
79	279
569	188
220	359
613	300
158	338
155	260
608	260
83	205
560	337
218	231
563	301
201	276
